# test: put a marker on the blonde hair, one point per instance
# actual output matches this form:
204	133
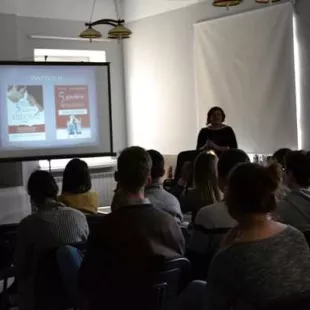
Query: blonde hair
205	178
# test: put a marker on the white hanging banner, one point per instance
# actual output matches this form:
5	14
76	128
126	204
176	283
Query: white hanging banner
244	63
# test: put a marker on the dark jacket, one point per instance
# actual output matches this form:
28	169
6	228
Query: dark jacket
128	245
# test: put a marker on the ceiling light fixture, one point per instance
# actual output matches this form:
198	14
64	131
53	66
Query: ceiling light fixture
118	32
226	3
267	1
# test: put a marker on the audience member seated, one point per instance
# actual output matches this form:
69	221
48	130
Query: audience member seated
52	226
159	197
213	222
76	188
279	156
258	263
133	240
294	208
205	190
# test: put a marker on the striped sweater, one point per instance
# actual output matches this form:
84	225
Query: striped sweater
52	226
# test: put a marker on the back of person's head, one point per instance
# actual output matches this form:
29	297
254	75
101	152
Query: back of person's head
158	164
42	186
297	168
205	176
133	169
229	160
252	189
76	177
279	156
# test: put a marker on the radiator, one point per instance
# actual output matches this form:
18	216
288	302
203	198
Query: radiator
103	184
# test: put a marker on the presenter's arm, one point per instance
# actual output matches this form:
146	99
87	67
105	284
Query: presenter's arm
231	139
202	139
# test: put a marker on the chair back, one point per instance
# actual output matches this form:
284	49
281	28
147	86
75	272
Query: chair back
94	220
5	276
169	282
50	292
306	233
151	290
7	244
200	262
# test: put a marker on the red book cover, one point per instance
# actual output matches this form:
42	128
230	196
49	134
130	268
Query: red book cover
72	111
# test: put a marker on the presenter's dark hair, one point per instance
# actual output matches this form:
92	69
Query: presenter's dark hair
76	177
158	164
42	186
212	110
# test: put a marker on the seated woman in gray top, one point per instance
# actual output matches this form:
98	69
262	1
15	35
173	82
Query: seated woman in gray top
52	226
258	263
157	195
294	208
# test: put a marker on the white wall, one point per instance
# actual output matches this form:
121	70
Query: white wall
159	77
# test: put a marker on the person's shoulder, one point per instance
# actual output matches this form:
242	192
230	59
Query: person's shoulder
72	211
293	232
204	130
159	215
171	198
28	219
208	211
227	128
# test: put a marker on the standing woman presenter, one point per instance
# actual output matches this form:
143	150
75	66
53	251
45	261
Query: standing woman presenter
216	136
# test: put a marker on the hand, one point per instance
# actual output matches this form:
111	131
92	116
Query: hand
208	145
212	145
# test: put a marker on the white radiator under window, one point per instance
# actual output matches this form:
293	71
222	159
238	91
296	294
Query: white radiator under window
103	184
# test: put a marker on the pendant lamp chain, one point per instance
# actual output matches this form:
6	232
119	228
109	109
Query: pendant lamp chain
117	11
92	11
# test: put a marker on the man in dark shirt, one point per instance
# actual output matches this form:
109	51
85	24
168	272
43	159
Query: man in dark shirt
130	243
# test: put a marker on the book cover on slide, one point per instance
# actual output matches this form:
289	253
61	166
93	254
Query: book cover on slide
25	110
72	112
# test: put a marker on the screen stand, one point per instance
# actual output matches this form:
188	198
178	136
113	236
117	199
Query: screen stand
49	165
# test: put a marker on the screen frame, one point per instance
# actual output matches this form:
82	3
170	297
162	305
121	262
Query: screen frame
64	64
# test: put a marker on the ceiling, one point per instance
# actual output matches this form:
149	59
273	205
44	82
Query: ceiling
138	9
80	9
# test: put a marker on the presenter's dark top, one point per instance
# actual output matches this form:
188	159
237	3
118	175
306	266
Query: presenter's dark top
221	137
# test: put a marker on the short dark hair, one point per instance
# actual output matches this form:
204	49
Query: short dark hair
212	110
298	163
134	167
252	189
158	164
42	186
229	160
76	177
280	154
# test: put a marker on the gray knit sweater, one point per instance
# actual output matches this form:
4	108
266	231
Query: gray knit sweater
259	272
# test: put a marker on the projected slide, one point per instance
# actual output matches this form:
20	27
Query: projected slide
54	109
